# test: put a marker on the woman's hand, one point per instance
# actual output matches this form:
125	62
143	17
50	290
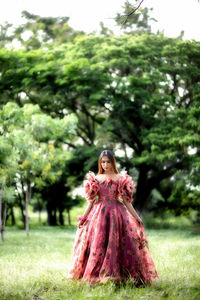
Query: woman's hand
139	220
81	223
132	211
82	220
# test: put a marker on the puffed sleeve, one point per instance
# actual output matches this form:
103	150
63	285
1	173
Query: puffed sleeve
126	187
91	187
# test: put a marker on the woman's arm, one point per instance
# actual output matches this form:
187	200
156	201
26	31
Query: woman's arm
86	213
132	210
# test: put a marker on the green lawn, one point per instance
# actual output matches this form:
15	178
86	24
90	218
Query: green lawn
35	267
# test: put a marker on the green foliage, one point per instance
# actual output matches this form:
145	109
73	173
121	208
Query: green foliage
5	150
37	202
136	92
8	195
133	20
37	32
35	140
182	200
5	36
33	135
8	162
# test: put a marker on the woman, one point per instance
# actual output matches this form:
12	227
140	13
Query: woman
110	241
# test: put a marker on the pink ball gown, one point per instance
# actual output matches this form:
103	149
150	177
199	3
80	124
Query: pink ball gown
111	244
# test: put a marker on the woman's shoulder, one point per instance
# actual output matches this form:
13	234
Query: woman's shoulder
126	178
91	176
103	176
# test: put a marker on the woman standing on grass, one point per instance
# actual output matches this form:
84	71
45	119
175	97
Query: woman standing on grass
110	241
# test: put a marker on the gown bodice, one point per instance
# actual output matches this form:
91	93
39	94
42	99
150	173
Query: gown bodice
108	191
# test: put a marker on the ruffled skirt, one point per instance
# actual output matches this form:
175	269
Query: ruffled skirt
111	245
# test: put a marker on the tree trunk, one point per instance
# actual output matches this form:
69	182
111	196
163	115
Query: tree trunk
51	215
1	221
61	219
143	190
28	197
21	206
68	217
147	184
142	200
55	215
12	216
24	201
22	212
2	216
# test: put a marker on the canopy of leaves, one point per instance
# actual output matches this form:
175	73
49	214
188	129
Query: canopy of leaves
136	92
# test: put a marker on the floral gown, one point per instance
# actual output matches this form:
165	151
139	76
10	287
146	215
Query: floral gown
111	244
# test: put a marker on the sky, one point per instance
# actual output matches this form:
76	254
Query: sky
172	15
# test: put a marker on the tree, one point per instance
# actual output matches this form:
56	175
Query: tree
5	35
38	32
152	96
70	83
8	168
141	90
131	11
34	136
134	19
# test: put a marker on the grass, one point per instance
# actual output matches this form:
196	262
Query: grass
35	267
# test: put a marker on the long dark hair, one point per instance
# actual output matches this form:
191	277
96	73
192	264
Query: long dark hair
111	157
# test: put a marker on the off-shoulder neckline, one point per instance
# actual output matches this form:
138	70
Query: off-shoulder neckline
108	179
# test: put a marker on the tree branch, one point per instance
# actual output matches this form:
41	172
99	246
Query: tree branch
83	138
165	173
69	144
132	11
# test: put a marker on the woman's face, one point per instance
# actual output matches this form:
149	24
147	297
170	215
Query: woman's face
106	164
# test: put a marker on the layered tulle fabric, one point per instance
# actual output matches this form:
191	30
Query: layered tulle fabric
126	187
111	244
91	187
